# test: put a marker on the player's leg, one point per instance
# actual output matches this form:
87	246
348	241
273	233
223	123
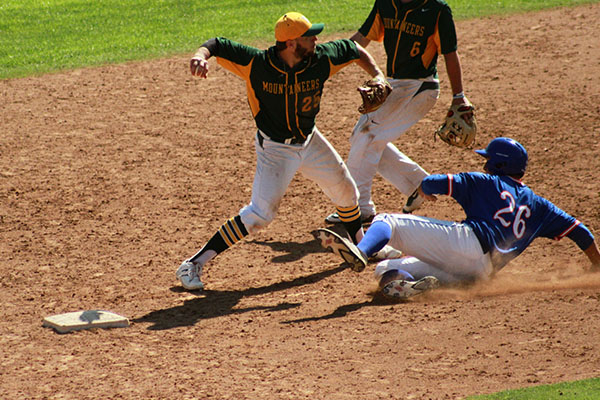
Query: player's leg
374	131
376	238
363	160
397	168
190	271
374	243
372	246
276	165
394	281
323	165
414	269
448	246
402	278
400	170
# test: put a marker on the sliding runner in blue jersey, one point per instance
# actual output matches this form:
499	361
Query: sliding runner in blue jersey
503	217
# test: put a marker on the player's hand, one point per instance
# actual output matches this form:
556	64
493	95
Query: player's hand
199	67
468	117
429	197
461	101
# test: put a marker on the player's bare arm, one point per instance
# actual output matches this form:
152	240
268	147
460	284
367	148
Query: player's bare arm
594	255
199	63
454	70
426	196
367	62
360	39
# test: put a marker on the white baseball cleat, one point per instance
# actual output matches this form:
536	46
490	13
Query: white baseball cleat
343	248
387	253
402	289
189	274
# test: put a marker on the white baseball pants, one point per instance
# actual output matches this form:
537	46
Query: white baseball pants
371	149
450	251
276	165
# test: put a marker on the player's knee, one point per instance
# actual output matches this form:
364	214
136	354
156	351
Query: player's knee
381	268
254	220
392	275
345	193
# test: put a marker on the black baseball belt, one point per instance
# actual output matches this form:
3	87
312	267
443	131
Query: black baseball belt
429	85
261	136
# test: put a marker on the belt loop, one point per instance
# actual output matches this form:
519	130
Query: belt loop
260	139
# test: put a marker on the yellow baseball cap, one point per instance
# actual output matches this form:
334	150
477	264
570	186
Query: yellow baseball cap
292	25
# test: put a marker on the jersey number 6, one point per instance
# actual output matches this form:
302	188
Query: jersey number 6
415	49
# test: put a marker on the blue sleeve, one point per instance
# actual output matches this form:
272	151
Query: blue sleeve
437	184
582	236
559	224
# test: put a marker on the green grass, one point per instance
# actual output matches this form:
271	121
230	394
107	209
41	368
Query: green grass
580	390
41	36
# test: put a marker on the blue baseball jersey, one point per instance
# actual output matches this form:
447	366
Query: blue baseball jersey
505	214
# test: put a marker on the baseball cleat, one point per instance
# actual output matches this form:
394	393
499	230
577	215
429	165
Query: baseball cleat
189	275
335	219
413	202
344	248
402	289
387	253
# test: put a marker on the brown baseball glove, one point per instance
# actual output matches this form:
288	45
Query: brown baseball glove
460	127
373	92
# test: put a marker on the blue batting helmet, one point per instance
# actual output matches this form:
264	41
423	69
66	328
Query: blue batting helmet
505	156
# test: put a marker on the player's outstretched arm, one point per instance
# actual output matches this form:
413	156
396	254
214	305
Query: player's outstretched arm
594	255
360	39
454	70
367	62
424	195
199	63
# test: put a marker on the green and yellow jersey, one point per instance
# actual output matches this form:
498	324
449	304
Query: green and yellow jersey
413	35
284	101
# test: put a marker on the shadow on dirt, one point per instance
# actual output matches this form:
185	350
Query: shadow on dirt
294	251
376	301
214	303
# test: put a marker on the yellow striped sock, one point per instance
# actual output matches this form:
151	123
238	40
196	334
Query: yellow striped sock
231	232
348	214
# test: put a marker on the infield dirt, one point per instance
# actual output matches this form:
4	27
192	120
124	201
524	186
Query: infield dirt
111	176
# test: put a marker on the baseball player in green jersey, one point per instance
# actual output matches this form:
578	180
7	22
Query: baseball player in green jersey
284	86
413	32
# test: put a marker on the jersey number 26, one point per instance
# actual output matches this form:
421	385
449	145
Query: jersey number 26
507	215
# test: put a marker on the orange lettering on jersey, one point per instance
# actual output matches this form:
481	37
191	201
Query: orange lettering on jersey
412	29
392	23
299	87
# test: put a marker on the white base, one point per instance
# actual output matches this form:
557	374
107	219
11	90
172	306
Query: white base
89	319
